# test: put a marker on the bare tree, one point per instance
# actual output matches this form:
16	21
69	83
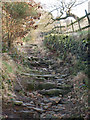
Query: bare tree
65	9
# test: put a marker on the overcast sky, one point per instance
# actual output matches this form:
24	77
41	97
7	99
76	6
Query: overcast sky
49	5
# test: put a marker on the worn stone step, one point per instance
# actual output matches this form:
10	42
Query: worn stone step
64	87
40	86
55	99
39	110
28	104
40	63
18	103
36	71
59	80
54	92
26	113
40	60
33	58
48	61
40	79
37	64
37	75
64	75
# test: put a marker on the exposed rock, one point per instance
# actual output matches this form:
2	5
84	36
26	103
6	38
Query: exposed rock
39	79
64	87
64	75
46	86
51	92
28	104
36	75
26	113
39	110
45	107
49	104
33	58
30	86
18	103
17	88
40	86
55	99
46	100
31	102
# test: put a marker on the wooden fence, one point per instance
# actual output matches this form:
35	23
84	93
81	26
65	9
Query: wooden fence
72	25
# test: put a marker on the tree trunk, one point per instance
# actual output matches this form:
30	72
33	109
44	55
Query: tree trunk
9	40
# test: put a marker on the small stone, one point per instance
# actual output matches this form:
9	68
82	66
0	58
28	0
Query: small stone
42	115
28	104
31	94
42	104
18	103
31	102
52	92
49	104
39	110
45	107
46	101
55	99
56	110
63	76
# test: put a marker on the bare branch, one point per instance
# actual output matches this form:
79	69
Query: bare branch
72	4
80	3
66	8
49	23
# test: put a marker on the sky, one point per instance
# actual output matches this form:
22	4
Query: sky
48	5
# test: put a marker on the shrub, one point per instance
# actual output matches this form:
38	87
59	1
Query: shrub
64	45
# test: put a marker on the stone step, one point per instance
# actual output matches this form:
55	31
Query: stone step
37	64
26	113
18	103
39	110
40	86
40	63
36	71
64	87
37	75
39	79
60	80
41	60
31	58
53	92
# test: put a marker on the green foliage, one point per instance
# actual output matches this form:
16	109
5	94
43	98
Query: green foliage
79	66
64	45
17	9
20	10
27	38
33	12
84	32
8	67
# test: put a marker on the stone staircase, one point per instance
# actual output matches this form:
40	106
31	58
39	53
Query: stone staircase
47	75
45	84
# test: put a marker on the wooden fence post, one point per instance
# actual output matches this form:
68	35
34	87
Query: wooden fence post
79	25
60	28
87	17
72	26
